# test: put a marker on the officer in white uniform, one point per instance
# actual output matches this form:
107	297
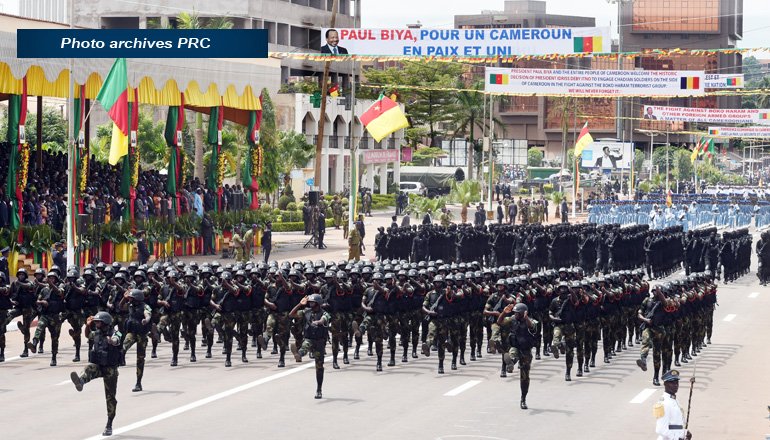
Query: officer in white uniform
669	415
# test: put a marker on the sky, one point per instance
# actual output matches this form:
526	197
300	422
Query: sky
440	14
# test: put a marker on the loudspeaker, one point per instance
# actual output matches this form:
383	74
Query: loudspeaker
312	198
164	209
172	216
98	215
82	223
238	202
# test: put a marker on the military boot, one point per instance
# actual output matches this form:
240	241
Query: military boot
503	371
369	351
319	379
355	352
263	339
392	361
414	351
138	386
579	370
585	367
623	345
281	362
40	347
630	341
478	351
606	359
523	404
655	380
642	363
208	352
174	355
593	362
122	359
154	353
77	380
694	353
335	365
537	353
555	351
32	345
473	353
275	348
462	356
295	352
567	376
53	359
440	366
619	349
454	361
155	335
192	352
228	363
345	357
509	362
379	362
77	354
259	352
676	361
253	341
2	354
108	429
426	349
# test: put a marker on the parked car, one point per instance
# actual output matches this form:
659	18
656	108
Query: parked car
412	188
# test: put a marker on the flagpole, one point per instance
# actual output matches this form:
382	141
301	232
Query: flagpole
71	202
352	200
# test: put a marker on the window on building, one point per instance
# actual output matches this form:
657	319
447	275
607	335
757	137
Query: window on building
685	36
676	15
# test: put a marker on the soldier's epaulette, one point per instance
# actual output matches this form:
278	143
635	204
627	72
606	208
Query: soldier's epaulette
659	410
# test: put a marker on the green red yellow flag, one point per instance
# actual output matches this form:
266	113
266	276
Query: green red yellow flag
114	98
383	118
583	141
334	91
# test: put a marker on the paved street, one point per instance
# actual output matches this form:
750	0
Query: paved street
410	401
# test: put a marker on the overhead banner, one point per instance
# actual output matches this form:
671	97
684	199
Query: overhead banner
380	156
465	42
710	115
739	132
723	81
594	82
607	155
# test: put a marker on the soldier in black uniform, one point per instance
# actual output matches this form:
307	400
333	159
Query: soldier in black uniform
103	359
138	326
314	322
521	336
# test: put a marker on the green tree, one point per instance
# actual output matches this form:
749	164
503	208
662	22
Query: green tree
534	157
465	193
752	69
294	152
425	156
153	151
54	129
683	169
268	138
638	160
566	109
468	113
428	108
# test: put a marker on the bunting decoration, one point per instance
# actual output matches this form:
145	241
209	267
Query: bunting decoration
17	167
217	159
253	167
173	135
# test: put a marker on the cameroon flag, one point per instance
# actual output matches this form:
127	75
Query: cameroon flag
114	98
587	44
583	141
383	118
334	91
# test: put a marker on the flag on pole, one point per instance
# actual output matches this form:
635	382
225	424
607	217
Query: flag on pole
583	140
697	151
353	199
668	199
334	91
394	96
711	148
114	98
383	118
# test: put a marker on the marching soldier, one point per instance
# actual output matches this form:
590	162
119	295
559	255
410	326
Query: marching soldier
315	320
103	359
51	301
521	337
138	326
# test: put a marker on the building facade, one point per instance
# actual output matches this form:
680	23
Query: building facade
655	24
292	25
295	112
48	10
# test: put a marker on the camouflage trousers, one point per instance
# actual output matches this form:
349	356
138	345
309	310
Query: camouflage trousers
394	328
296	330
110	377
580	341
699	330
53	323
438	335
609	323
76	320
318	348
258	319
278	327
410	327
591	341
119	319
476	326
141	351
708	320
632	323
27	316
499	334
565	334
173	321
339	328
190	320
524	357
226	322
653	337
243	318
461	323
681	336
376	325
667	343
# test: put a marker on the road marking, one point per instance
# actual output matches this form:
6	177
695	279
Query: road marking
64	382
207	400
464	387
753	294
12	358
644	395
729	317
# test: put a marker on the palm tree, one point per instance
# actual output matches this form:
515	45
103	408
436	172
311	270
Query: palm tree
295	152
563	107
194	21
556	198
469	113
230	150
465	193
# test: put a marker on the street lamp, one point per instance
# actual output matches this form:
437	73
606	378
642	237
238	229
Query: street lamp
651	133
619	104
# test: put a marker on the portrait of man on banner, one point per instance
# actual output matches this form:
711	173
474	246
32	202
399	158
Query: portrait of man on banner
649	115
332	43
609	159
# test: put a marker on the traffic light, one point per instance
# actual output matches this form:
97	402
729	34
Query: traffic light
315	99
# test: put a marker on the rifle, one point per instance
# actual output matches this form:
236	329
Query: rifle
496	308
435	304
650	314
377	290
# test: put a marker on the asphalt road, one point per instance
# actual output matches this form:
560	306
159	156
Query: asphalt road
205	400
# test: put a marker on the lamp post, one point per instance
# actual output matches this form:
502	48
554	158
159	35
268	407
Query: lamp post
651	133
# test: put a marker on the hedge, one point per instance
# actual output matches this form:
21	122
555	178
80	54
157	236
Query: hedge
296	226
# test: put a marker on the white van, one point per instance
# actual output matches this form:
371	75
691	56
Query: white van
412	188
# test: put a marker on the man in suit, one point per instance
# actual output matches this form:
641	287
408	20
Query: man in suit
607	160
332	41
480	217
649	115
143	251
267	240
428	219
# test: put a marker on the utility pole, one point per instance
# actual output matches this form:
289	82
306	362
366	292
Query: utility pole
322	118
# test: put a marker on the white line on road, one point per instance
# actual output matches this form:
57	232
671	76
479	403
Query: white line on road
753	294
729	317
644	395
207	400
64	382
464	387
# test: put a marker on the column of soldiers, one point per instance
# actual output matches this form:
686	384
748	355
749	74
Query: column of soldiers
430	306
